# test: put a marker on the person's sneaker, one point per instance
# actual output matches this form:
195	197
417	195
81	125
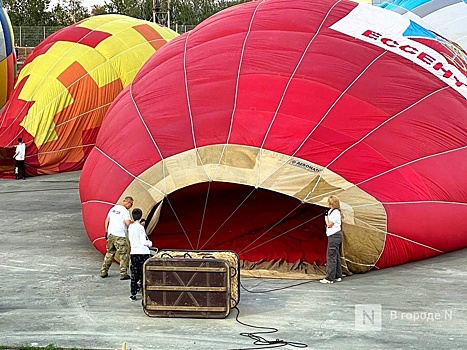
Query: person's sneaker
324	280
133	297
338	279
126	277
104	275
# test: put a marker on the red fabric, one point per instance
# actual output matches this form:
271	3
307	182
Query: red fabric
396	132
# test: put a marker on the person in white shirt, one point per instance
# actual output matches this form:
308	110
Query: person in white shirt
116	224
139	251
333	219
19	156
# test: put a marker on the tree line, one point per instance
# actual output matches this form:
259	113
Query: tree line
67	12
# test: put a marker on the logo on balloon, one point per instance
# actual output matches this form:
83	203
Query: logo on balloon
305	166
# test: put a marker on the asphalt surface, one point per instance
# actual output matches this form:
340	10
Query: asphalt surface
51	293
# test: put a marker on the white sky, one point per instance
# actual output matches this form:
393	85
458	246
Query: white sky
86	3
89	3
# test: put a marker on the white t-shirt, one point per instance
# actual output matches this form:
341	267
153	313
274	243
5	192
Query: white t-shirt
334	216
139	242
118	214
20	151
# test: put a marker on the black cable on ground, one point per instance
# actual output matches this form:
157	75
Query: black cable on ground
276	289
263	343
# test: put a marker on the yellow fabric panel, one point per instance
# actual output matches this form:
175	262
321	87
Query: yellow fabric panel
59	57
49	94
126	48
3	82
107	24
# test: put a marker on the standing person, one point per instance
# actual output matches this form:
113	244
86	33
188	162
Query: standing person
19	156
116	224
139	251
333	220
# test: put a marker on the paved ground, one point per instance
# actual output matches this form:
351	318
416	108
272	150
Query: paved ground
50	292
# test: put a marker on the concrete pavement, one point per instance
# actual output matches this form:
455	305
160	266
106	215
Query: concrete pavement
51	292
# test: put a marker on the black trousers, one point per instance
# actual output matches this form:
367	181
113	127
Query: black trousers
334	267
19	164
136	268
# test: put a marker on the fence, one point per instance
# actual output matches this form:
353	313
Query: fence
31	36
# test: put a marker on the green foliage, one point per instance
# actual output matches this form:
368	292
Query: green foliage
67	12
31	12
37	13
196	11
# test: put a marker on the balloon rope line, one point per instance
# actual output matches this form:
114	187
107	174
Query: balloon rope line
407	202
82	114
234	109
190	113
269	229
385	122
342	94
388	171
283	233
248	196
385	232
31	120
126	171
97	201
280	104
181	226
285	92
135	105
204	214
415	242
60	150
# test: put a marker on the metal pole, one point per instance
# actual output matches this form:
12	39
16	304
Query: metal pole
168	13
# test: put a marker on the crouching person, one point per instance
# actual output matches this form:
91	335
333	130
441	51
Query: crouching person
139	251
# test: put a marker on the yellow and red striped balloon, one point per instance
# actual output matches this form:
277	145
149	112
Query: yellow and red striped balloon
67	84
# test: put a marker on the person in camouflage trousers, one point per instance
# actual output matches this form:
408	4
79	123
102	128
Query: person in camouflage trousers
116	224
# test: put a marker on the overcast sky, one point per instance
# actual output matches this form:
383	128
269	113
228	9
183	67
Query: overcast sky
89	3
86	3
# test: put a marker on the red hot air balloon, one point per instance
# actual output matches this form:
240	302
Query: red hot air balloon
234	135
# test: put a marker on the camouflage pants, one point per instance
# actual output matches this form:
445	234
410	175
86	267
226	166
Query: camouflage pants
116	245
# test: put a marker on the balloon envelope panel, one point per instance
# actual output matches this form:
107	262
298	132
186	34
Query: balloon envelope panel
7	58
67	84
234	135
446	17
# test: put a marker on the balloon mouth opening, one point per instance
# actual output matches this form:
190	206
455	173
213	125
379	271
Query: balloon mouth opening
265	228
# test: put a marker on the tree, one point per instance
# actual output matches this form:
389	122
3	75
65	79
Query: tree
196	11
28	13
98	10
68	12
141	9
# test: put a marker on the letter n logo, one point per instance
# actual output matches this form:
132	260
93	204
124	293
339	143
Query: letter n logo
368	317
